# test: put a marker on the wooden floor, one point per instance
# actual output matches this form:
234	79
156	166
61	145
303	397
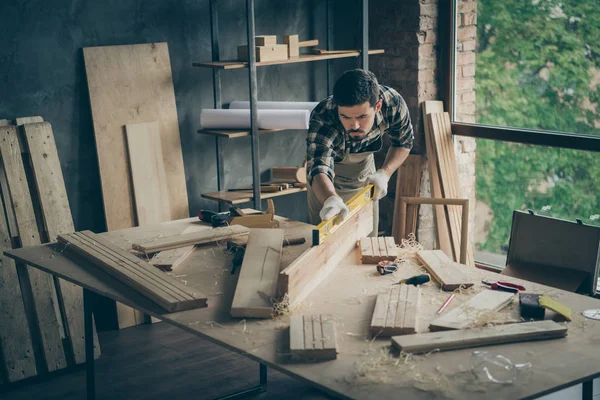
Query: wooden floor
159	361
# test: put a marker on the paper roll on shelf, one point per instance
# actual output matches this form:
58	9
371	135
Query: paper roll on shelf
267	119
275	105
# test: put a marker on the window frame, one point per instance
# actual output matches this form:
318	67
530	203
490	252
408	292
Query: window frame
507	134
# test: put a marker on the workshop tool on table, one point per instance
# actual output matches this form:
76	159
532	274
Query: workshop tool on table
533	306
327	227
555	306
592	314
238	250
504	286
446	302
386	267
415	280
235	216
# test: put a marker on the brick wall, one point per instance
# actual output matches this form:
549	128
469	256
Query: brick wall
408	30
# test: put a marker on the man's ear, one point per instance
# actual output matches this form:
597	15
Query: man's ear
378	105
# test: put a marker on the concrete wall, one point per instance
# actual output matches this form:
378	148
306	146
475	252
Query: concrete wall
42	73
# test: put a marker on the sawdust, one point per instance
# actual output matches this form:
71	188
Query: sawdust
283	308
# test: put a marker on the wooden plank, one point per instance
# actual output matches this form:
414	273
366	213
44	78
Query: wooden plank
486	336
5	122
150	184
142	277
43	313
485	302
57	219
127	85
448	274
302	276
16	349
312	337
390	244
375	249
396	311
257	282
408	184
193	238
28	120
382	247
239	197
169	260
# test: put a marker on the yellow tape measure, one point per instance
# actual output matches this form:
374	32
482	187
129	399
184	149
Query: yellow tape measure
327	227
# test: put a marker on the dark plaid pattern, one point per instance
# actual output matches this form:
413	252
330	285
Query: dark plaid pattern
328	142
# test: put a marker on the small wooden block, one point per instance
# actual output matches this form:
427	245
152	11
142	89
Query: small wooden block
396	311
487	336
447	273
463	316
374	250
273	52
312	337
265	40
292	43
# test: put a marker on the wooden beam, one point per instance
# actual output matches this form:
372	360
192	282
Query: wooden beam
408	183
445	272
142	277
257	283
463	316
169	260
28	120
301	277
312	337
194	238
486	336
396	312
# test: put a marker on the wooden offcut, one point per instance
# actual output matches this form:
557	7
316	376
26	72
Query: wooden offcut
139	275
28	120
309	43
447	273
272	52
376	249
265	40
132	84
476	337
169	260
302	276
396	311
292	44
408	183
289	174
257	282
193	238
312	337
465	315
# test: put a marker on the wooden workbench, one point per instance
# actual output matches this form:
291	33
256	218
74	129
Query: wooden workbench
349	294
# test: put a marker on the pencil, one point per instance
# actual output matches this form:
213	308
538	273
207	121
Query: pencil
448	300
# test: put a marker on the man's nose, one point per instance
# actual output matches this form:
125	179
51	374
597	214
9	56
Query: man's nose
355	124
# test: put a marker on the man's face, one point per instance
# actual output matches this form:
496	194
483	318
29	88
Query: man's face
358	120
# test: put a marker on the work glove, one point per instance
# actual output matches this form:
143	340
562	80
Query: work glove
332	207
380	180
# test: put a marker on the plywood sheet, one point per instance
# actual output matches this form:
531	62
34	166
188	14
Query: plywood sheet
396	311
312	337
133	84
257	282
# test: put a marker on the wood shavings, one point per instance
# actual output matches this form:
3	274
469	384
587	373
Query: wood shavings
282	308
467	290
213	324
493	318
409	247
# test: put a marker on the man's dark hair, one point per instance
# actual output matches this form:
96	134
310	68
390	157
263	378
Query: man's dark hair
355	87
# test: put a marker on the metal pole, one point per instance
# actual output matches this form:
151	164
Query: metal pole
365	35
253	104
329	29
88	324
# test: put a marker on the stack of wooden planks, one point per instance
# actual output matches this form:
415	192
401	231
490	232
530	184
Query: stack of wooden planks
376	249
312	337
42	317
408	184
444	179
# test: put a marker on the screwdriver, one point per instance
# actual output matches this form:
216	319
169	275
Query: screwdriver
415	280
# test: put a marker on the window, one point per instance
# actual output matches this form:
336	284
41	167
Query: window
528	71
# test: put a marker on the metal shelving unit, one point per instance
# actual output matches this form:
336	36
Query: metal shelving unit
218	65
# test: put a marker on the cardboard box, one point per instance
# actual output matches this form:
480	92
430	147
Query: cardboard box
276	52
554	252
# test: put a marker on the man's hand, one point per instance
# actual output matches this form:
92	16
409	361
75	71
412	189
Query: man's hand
332	207
380	180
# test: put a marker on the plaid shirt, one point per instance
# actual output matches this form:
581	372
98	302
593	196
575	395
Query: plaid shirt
328	142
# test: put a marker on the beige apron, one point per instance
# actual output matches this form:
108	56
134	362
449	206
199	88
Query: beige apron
350	176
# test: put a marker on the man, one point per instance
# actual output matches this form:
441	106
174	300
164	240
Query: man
345	130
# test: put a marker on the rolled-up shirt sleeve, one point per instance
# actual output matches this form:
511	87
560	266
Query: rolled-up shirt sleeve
401	130
320	154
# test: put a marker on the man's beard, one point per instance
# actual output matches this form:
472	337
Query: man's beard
356	131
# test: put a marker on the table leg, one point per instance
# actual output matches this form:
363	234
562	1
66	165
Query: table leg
89	344
587	390
261	388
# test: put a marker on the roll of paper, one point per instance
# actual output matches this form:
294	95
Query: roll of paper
275	105
267	119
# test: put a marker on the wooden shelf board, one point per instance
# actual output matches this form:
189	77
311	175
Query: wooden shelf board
302	58
238	197
233	133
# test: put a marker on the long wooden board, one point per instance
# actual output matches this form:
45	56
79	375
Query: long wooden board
312	337
486	336
463	316
447	273
57	219
315	264
168	260
142	277
408	184
37	287
133	84
150	185
204	236
396	311
257	283
376	249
